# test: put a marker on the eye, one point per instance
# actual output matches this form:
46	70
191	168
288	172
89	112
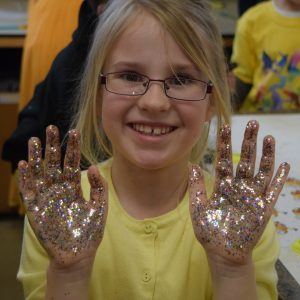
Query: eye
180	80
133	77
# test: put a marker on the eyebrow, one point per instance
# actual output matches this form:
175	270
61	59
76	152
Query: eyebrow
176	67
126	64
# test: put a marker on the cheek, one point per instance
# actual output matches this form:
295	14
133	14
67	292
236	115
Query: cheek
112	114
196	121
197	116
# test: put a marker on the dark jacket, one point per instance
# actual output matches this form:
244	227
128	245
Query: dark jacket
53	99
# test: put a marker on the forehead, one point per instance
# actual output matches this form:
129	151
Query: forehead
146	41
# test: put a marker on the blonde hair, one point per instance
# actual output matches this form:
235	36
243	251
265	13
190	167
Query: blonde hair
191	25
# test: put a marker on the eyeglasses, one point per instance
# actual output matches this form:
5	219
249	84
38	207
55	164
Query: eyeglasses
179	87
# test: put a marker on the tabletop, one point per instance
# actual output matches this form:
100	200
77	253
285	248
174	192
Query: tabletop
286	130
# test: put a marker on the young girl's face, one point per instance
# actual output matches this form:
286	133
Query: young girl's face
151	131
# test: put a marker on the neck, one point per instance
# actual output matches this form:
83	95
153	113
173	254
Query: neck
287	5
149	193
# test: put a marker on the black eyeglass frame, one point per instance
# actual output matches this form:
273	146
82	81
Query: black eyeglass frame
103	80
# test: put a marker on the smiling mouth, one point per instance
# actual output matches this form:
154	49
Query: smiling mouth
152	130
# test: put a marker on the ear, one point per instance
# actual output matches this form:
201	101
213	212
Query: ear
211	109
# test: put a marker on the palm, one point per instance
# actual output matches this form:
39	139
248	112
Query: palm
231	222
69	227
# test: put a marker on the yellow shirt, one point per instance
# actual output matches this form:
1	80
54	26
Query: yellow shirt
267	53
157	258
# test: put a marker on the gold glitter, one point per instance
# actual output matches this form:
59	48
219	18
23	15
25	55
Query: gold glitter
63	221
234	217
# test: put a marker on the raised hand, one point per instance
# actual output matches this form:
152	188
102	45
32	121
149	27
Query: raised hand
69	227
230	223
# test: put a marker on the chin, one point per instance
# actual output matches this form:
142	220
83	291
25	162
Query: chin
156	161
150	164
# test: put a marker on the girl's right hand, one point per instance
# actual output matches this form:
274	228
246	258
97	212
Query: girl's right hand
69	227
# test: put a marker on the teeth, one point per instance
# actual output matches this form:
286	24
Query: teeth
157	131
148	130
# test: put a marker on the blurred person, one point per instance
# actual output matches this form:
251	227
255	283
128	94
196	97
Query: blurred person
267	58
50	28
53	97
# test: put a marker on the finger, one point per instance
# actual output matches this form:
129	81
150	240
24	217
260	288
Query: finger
277	184
52	155
224	168
246	166
266	167
35	163
25	184
97	185
99	192
197	191
72	158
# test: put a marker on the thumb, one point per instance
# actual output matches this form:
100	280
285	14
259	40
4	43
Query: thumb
197	190
99	190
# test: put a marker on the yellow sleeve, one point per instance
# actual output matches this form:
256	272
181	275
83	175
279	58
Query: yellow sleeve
33	265
243	54
264	258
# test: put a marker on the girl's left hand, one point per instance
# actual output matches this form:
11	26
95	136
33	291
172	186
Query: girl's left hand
230	223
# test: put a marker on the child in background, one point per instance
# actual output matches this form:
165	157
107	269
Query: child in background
42	44
50	28
266	52
54	95
154	77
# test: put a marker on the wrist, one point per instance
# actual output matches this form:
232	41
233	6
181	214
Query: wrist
231	280
222	267
79	271
70	282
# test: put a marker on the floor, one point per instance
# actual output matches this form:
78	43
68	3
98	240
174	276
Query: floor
10	249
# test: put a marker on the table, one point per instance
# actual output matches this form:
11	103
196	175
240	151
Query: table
286	130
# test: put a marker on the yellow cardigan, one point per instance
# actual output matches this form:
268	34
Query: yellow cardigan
157	258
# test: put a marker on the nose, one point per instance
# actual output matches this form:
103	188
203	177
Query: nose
155	99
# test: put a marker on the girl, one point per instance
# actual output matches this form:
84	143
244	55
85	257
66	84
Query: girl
154	77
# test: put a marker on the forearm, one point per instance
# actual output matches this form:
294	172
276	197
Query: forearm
67	284
231	281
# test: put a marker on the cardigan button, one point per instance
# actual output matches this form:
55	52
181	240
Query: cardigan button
146	277
150	227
